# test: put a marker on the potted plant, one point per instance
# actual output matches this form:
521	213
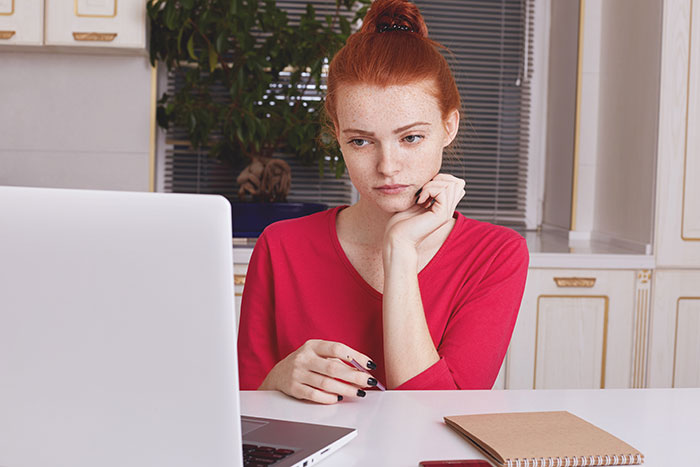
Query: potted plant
248	71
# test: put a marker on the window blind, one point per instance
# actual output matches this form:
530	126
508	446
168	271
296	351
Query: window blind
491	57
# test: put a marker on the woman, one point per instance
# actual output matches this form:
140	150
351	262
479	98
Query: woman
399	281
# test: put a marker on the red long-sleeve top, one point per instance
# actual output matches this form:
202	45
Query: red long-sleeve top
300	285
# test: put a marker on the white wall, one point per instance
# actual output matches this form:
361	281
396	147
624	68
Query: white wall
75	120
630	66
561	106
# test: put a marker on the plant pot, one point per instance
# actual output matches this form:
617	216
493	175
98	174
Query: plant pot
250	219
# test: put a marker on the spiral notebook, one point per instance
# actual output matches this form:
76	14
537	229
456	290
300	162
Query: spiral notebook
543	439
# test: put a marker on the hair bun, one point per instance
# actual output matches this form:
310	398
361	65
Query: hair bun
394	15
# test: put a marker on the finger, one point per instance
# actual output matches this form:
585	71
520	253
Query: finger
431	190
334	386
447	184
332	349
337	370
304	391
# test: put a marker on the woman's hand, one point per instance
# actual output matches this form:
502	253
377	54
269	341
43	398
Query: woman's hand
316	372
435	206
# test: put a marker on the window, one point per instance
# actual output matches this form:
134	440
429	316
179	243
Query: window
491	55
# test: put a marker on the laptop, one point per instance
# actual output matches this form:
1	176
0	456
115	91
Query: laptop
118	339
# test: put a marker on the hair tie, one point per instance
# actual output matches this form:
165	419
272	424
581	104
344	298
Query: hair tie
384	27
401	24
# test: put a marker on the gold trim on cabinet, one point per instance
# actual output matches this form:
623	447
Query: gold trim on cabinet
575	281
640	356
675	337
95	16
6	34
687	113
239	279
95	36
605	333
152	126
577	115
12	10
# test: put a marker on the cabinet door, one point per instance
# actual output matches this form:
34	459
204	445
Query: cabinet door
675	341
574	330
677	238
21	22
102	23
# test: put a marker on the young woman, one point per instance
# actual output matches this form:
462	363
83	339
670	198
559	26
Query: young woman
399	281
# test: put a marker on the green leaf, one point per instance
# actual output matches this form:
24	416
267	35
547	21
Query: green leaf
344	25
179	40
170	15
221	42
213	59
190	47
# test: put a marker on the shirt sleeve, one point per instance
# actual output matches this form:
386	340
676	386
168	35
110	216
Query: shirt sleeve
257	343
477	335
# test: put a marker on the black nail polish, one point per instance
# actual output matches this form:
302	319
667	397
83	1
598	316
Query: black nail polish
371	365
361	393
340	398
418	192
371	382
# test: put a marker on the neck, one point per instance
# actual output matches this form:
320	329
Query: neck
368	221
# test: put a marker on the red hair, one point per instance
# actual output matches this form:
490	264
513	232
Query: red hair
392	48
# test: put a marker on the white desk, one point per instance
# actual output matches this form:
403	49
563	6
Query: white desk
401	428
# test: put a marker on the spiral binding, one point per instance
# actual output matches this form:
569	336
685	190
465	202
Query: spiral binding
583	461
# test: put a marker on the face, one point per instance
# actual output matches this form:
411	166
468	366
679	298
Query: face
392	140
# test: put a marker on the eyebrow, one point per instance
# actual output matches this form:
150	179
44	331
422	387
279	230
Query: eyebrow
398	130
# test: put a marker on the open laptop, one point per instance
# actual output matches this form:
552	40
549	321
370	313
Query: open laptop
118	340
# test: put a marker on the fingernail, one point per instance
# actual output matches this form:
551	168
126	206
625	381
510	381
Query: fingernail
361	393
371	365
340	398
418	192
371	382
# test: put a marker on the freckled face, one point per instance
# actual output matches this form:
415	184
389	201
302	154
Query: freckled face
391	139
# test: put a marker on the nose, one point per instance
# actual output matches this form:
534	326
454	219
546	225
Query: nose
389	162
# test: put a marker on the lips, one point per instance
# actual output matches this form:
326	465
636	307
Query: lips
392	189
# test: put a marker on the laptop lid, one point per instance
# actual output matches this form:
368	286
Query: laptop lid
116	330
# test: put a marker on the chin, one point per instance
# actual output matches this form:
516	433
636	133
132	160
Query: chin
394	204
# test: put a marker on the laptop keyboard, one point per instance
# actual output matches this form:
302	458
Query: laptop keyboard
262	456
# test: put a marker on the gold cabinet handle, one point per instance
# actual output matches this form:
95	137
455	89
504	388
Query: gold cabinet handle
239	279
95	36
575	281
6	34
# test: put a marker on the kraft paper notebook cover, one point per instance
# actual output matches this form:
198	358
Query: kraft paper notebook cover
543	439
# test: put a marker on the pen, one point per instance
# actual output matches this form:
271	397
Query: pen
361	368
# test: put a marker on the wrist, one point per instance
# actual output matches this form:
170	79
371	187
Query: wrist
398	253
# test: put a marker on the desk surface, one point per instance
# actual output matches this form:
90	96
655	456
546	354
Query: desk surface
401	428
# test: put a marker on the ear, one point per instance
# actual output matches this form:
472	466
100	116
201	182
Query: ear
451	127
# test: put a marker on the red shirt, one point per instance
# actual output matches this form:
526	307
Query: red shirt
300	285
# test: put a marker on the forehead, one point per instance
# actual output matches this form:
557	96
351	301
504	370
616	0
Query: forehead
362	105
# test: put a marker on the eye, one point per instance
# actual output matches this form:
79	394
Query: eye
359	142
412	139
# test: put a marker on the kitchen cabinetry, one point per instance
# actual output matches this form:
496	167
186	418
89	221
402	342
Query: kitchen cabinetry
75	23
21	22
576	330
675	347
677	239
104	23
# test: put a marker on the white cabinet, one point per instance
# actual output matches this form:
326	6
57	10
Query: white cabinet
675	346
21	22
576	329
677	239
104	23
